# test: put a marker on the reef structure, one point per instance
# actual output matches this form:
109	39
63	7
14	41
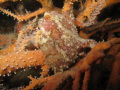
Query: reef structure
51	42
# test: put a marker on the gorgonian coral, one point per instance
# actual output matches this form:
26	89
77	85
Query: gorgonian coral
50	44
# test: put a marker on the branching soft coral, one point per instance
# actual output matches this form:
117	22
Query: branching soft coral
52	43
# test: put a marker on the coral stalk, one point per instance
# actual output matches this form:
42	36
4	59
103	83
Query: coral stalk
20	60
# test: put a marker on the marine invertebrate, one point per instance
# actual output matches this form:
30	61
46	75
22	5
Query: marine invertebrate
52	42
93	8
13	64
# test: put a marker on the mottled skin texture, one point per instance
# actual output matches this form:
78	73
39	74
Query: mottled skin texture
56	35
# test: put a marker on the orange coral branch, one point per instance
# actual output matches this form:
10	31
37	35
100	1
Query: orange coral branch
86	79
92	8
87	17
8	50
111	2
36	82
48	4
76	85
31	39
68	4
113	82
20	60
2	1
26	17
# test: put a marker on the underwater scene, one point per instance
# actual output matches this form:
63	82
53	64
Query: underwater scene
59	44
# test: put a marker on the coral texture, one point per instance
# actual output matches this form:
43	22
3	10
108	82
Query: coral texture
60	45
